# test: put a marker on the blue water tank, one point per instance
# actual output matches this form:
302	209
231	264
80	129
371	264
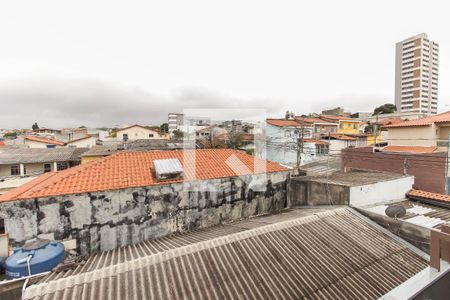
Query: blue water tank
41	256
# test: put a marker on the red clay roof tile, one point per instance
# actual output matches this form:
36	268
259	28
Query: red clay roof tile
428	195
44	140
440	118
134	169
283	123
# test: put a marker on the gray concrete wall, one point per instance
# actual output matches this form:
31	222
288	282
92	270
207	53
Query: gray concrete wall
110	219
303	191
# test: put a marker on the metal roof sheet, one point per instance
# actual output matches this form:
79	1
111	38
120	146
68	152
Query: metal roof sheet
418	213
167	166
40	155
333	255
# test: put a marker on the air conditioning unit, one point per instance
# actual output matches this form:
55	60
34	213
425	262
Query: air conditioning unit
166	169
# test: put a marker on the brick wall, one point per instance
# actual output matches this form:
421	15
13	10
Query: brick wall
428	169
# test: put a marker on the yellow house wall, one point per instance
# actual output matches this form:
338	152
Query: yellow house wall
348	127
138	133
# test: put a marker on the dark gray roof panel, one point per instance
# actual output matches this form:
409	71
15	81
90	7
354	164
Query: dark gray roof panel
40	155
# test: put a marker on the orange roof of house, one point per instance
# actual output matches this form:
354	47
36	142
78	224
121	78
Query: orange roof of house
247	136
80	139
283	123
428	195
411	149
2	144
339	136
315	141
390	121
134	169
440	118
44	140
314	120
334	118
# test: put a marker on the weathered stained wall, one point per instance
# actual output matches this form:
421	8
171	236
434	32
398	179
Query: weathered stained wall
110	219
304	191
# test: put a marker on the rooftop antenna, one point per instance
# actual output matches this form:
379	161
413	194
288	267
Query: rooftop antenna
395	211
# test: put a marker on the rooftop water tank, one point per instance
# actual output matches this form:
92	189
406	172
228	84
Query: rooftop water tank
34	257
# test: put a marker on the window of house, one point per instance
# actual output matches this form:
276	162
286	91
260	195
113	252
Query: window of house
51	146
355	126
2	226
47	168
287	133
61	166
322	149
341	125
150	135
15	170
125	137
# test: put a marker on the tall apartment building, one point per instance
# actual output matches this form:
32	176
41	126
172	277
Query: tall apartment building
416	75
175	121
186	123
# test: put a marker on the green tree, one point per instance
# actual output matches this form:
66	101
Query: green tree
164	128
11	134
385	109
178	133
35	126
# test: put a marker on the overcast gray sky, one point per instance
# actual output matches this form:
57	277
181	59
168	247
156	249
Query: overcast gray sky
110	62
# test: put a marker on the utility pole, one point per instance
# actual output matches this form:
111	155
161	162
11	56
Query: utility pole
300	144
375	133
405	166
447	166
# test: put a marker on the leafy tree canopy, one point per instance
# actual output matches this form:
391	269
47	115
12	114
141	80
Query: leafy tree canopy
385	109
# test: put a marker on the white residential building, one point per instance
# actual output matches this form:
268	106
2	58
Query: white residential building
283	145
416	75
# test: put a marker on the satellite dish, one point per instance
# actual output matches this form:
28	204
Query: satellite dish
395	211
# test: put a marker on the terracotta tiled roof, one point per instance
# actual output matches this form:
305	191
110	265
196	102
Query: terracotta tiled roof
133	169
428	195
411	149
440	118
314	120
339	136
315	141
44	140
248	137
80	139
390	121
283	123
334	118
2	144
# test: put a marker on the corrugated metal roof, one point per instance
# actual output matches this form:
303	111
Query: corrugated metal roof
330	255
167	167
40	155
422	214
